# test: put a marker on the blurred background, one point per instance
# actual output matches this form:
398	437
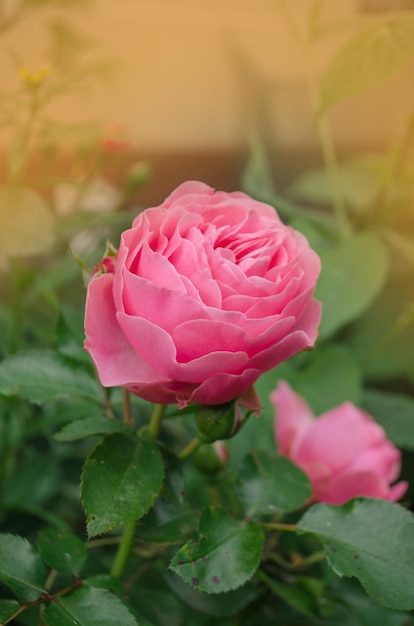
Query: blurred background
187	82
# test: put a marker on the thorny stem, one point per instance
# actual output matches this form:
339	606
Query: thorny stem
300	562
45	598
124	551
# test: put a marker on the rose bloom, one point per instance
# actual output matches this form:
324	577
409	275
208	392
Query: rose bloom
209	290
344	453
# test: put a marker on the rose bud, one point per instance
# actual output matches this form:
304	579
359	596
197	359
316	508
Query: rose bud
210	290
217	422
210	459
344	452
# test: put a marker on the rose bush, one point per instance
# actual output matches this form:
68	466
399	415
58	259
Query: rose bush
209	290
344	453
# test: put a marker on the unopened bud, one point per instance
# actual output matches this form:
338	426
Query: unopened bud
211	458
107	264
217	421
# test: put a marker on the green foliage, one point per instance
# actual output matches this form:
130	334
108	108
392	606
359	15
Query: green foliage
371	540
268	485
120	481
395	413
21	568
224	557
44	375
89	606
356	183
369	57
89	427
63	552
353	274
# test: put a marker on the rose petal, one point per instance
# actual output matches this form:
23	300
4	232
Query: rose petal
335	439
293	417
224	387
156	346
116	360
350	485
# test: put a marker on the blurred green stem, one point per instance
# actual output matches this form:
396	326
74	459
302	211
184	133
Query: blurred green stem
380	203
291	528
213	494
21	146
127	411
154	425
189	449
16	306
322	122
124	551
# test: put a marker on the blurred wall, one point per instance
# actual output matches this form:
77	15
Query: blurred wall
204	73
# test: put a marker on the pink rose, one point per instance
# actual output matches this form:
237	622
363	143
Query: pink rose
343	452
209	290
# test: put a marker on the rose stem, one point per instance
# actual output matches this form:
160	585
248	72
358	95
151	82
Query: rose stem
126	404
292	528
127	541
124	550
154	425
213	495
189	449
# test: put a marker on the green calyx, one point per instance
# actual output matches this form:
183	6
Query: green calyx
216	422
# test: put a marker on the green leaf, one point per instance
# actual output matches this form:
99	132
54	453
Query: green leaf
369	58
355	183
89	606
167	522
382	338
257	179
64	552
271	484
26	223
293	594
355	608
318	381
372	540
218	605
7	609
120	481
395	413
70	334
21	568
106	581
226	555
44	375
89	427
353	273
35	468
